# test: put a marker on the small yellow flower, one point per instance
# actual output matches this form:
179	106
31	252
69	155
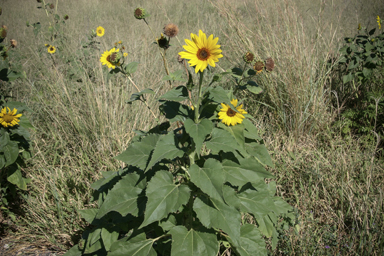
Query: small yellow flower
51	49
229	116
379	22
359	27
120	42
201	51
107	58
100	31
9	119
125	54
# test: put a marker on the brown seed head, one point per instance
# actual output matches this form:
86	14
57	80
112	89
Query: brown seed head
13	43
171	30
249	57
139	13
51	6
259	65
269	64
66	17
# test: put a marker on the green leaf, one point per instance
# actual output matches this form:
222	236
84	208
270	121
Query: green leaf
11	152
138	153
165	149
108	237
123	197
254	88
174	111
209	179
213	213
168	223
88	214
140	248
4	139
74	251
192	243
251	131
218	94
222	140
178	94
131	67
138	95
265	226
107	177
199	131
260	152
15	177
347	78
258	203
164	197
237	132
247	170
175	76
251	242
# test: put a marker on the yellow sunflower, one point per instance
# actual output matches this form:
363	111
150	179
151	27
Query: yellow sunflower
51	49
229	116
125	54
9	119
379	21
201	51
111	58
100	31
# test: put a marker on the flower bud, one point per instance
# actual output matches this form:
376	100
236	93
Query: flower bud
13	43
248	57
259	65
115	58
66	17
140	13
163	42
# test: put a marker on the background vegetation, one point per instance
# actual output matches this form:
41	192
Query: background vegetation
333	176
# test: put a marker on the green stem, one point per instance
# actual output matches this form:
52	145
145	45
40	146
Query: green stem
197	114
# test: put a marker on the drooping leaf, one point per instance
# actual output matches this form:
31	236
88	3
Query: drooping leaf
191	243
209	179
139	95
137	153
260	152
250	131
237	132
123	197
131	67
163	197
199	131
213	213
165	149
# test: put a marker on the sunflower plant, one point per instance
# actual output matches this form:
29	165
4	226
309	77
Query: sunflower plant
14	150
199	188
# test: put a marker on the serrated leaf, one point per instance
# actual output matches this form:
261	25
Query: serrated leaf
209	179
222	141
199	131
247	170
138	153
213	213
260	152
123	197
164	197
178	94
141	248
251	242
237	132
108	237
191	243
165	149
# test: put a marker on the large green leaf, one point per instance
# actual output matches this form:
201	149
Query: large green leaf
213	213
163	197
237	132
179	93
174	111
11	152
209	179
219	95
139	248
15	177
258	203
137	153
265	226
247	170
88	214
165	149
199	131
251	131
251	242
260	152
222	141
108	237
192	243
123	197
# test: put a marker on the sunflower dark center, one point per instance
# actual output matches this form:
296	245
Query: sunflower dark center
203	54
231	112
8	118
109	58
51	48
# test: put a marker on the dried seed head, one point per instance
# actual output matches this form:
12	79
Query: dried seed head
171	30
66	17
248	57
269	64
140	13
163	42
259	65
51	6
3	32
13	43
